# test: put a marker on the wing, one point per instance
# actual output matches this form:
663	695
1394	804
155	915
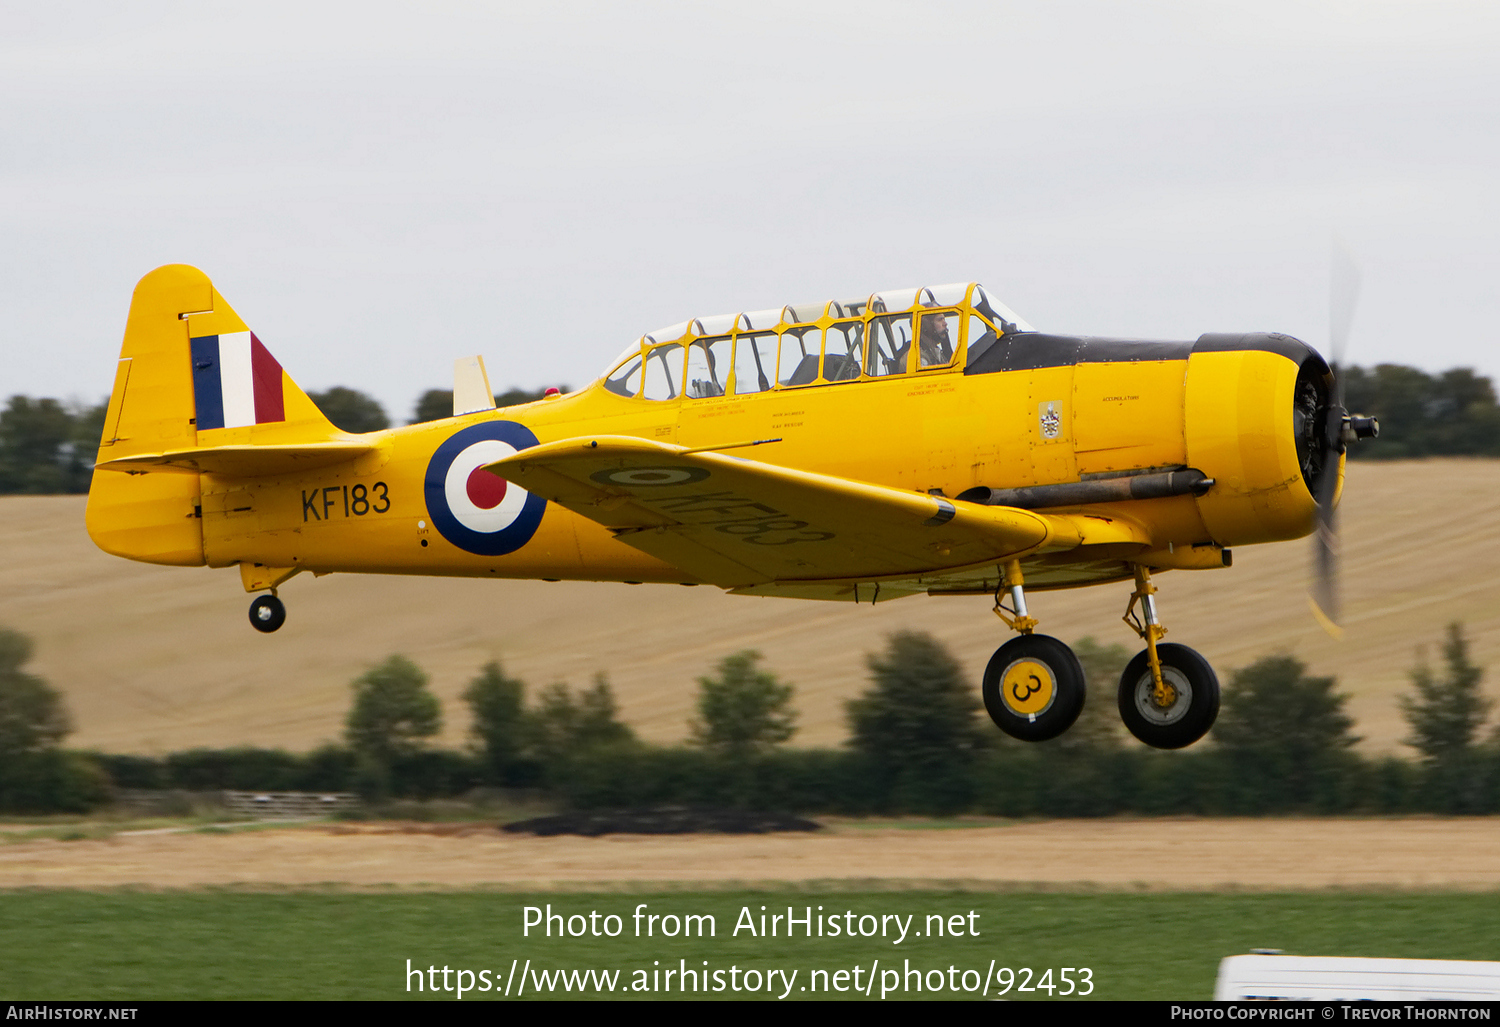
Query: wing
738	523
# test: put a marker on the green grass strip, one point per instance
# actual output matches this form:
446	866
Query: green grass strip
344	945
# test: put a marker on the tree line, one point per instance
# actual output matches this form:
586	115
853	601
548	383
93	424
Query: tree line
1452	413
917	743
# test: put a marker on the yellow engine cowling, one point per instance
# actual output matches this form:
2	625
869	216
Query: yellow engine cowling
1243	427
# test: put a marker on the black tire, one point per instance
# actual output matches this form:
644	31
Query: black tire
267	613
1055	688
1189	717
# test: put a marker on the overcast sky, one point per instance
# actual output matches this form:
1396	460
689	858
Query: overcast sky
379	189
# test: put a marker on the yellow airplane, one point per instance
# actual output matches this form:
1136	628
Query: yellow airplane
915	440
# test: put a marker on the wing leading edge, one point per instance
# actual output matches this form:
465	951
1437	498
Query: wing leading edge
738	523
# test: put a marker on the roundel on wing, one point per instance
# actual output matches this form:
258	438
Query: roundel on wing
649	476
471	507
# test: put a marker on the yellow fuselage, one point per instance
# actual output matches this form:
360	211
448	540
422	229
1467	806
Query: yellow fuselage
1225	413
1031	410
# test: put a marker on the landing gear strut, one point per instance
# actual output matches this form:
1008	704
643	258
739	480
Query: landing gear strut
1169	695
1033	685
267	613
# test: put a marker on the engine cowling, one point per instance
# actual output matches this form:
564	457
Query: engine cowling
1254	408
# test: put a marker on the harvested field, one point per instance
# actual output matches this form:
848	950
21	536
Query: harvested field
1161	855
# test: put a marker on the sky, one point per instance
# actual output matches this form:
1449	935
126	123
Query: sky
379	189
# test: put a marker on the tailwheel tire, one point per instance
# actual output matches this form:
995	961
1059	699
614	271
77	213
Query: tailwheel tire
1193	705
267	613
1033	688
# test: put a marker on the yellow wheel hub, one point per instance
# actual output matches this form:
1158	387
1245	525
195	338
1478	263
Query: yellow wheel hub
1028	688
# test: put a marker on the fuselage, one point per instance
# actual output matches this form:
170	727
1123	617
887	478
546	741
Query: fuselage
997	407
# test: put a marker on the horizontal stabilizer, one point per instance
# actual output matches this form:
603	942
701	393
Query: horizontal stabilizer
251	461
738	522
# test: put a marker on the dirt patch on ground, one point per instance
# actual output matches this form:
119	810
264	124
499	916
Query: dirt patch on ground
1115	854
675	820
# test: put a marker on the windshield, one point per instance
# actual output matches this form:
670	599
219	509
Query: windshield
1007	320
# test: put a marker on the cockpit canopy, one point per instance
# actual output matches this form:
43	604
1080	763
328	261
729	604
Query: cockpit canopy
894	332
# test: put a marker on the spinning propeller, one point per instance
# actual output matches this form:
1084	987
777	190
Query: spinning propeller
1332	436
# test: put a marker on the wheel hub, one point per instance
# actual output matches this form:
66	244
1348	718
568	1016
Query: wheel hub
1178	692
1028	688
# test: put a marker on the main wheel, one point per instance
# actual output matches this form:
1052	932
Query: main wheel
267	613
1033	688
1194	699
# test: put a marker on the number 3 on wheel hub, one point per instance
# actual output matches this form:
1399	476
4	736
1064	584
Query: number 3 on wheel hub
1033	688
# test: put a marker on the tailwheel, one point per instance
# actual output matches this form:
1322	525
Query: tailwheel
1033	688
1182	710
267	613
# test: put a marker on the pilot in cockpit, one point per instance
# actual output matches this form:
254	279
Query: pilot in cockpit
935	345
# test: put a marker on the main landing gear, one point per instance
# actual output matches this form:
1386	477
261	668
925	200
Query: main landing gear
1169	695
1034	687
267	613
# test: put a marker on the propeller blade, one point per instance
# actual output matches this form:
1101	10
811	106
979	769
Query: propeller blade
1343	294
1324	598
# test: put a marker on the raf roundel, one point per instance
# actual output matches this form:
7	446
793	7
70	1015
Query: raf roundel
649	476
472	508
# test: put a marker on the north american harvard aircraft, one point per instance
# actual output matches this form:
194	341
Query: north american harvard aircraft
911	441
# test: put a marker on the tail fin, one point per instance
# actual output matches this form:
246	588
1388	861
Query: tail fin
192	377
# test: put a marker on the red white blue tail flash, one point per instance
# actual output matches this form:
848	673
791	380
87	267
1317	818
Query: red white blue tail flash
236	382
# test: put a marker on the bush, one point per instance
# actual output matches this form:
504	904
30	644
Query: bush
328	768
126	771
433	773
917	725
1099	725
1286	736
51	781
393	712
32	715
35	776
239	769
1447	711
497	705
743	709
780	780
563	726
